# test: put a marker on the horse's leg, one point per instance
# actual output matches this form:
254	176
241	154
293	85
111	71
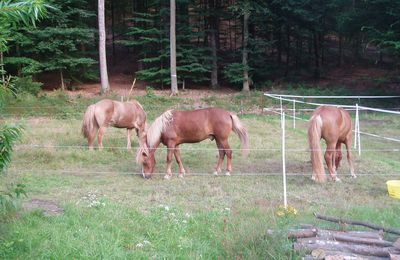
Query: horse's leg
338	155
91	138
140	133
100	135
170	153
178	159
129	146
228	152
348	142
329	159
221	153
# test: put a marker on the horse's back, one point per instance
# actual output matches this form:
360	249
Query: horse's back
199	124
336	122
128	114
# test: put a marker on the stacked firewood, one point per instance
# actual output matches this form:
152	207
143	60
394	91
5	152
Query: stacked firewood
334	244
345	245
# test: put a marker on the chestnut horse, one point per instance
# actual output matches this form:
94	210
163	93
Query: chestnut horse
334	126
106	112
175	127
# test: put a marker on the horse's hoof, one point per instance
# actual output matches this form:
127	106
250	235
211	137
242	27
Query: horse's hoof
353	176
181	175
215	173
227	174
336	179
167	177
313	178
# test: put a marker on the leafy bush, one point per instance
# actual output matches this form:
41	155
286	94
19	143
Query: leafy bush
9	134
150	92
27	85
8	198
6	89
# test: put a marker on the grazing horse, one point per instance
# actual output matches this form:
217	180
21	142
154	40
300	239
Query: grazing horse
106	112
334	126
175	127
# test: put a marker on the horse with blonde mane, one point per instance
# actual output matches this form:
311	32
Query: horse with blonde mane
334	126
129	115
175	127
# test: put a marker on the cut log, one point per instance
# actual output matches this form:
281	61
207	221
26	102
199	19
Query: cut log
360	234
310	244
358	240
301	233
396	243
357	222
336	255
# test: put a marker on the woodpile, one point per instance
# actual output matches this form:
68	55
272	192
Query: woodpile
329	244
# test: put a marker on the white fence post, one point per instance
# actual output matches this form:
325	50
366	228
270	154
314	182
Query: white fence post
355	128
358	131
280	101
294	113
283	161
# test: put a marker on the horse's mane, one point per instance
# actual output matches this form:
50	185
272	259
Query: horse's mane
157	127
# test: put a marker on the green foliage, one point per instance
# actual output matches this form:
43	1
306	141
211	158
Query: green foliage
150	92
234	73
6	89
27	85
62	42
13	13
9	134
9	199
150	30
384	28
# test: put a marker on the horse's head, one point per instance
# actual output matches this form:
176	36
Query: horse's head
146	157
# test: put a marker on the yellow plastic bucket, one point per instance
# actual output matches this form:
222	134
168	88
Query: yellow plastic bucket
393	187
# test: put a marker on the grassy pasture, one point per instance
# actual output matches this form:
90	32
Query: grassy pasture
111	212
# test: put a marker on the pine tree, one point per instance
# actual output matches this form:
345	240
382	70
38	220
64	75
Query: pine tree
150	36
60	43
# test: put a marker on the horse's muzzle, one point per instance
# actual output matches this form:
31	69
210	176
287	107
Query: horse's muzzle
145	176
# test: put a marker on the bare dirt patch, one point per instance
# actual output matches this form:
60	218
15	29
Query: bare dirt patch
50	208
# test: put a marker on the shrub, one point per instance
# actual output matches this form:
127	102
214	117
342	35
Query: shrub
27	85
9	134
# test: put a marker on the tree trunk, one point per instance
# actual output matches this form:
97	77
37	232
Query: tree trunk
279	47
172	37
102	48
213	45
287	50
316	56
340	51
62	80
246	80
113	30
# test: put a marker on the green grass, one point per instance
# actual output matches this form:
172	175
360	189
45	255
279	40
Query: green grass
199	216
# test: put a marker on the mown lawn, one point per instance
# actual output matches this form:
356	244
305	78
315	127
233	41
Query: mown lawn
111	212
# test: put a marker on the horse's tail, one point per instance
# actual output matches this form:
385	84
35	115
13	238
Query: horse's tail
314	137
241	131
89	122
